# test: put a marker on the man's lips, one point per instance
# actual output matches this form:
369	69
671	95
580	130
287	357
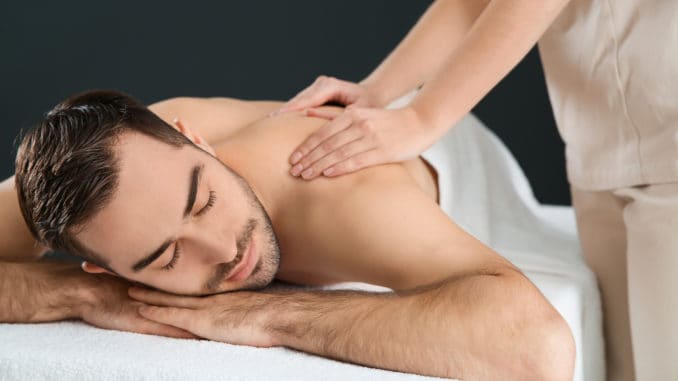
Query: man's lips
244	268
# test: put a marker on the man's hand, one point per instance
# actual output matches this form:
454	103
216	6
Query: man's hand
236	317
108	306
360	137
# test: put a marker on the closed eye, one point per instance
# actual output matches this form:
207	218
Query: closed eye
175	258
210	203
177	251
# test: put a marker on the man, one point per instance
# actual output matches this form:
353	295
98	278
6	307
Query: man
104	178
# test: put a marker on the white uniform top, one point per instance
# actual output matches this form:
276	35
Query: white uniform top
611	68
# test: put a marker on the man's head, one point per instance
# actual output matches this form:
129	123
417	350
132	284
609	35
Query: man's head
104	178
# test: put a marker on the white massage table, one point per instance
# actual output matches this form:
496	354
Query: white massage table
495	204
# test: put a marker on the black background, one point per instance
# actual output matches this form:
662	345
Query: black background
244	49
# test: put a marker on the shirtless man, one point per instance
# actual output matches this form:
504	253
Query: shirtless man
154	208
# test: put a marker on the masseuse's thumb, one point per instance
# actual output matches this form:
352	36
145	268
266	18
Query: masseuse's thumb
323	90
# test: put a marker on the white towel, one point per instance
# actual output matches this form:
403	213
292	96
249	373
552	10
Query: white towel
76	351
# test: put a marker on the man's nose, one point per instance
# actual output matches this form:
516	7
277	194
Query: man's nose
216	247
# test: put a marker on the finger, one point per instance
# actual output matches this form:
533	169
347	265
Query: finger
321	91
338	155
328	114
316	138
355	163
150	327
182	318
327	147
160	298
134	322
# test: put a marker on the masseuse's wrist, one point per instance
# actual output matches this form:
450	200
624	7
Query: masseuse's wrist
377	93
427	117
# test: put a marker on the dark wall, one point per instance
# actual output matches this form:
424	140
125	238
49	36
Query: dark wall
245	49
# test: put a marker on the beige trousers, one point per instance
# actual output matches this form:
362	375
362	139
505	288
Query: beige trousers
630	239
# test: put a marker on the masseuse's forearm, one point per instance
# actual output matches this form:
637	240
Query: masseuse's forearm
502	35
16	241
423	51
42	291
477	327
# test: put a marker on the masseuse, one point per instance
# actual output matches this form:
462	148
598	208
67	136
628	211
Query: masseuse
612	75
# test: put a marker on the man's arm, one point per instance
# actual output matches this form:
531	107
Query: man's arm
39	291
45	291
483	326
488	325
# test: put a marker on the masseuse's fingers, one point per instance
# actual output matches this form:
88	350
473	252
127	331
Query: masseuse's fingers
338	147
160	298
319	136
327	165
319	92
323	90
328	114
355	163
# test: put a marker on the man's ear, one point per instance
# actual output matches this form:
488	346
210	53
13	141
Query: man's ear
94	269
195	138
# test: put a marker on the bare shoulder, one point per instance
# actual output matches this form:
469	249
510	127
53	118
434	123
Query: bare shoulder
388	231
213	118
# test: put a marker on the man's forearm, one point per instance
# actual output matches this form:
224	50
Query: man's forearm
474	327
425	48
35	292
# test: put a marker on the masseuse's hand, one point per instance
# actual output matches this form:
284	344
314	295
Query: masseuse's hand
327	89
360	137
240	317
107	305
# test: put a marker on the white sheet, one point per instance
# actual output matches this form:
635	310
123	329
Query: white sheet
486	193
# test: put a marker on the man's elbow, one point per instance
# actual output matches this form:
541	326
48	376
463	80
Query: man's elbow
519	335
548	345
555	352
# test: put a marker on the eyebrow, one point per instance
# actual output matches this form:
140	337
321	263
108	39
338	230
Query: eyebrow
194	181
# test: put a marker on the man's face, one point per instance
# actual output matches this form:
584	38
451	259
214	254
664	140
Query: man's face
182	222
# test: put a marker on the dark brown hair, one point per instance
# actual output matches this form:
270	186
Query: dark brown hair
66	170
